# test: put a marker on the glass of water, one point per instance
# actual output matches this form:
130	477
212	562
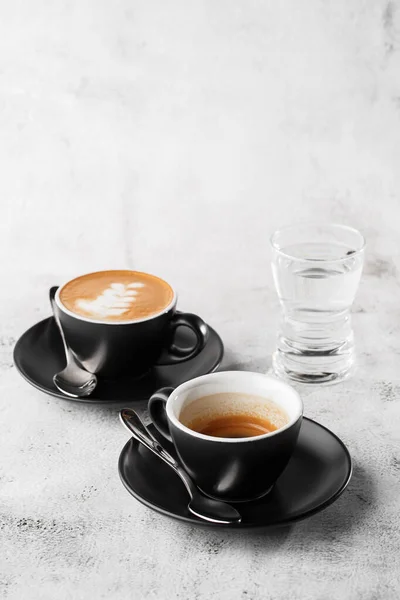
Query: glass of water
316	269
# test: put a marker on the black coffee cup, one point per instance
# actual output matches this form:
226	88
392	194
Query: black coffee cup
111	349
230	469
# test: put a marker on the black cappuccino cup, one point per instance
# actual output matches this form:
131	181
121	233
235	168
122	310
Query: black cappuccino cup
124	322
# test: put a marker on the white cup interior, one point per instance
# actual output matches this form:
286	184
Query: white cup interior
259	395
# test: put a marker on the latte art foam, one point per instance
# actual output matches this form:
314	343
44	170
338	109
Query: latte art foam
113	302
116	295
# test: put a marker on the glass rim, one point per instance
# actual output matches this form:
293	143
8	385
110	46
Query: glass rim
335	226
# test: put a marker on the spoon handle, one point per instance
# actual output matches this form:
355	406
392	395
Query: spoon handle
131	420
52	294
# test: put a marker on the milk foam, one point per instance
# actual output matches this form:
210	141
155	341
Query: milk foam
113	301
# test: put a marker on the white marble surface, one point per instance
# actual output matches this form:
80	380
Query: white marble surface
175	137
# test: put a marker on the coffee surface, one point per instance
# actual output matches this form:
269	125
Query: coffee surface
234	426
233	415
116	295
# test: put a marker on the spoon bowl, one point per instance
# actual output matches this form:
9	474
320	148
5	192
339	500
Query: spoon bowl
74	384
215	511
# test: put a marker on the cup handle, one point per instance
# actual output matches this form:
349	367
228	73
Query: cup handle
174	354
157	412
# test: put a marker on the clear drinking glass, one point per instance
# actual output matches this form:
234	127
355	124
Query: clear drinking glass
316	269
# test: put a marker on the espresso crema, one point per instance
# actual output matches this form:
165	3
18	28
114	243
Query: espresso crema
233	415
116	295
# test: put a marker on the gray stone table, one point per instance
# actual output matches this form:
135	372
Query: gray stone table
174	137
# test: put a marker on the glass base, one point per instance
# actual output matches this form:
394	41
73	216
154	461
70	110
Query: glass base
321	369
315	351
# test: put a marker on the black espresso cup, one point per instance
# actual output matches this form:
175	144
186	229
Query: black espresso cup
129	347
234	469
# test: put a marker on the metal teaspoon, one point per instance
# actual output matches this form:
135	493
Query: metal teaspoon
73	380
206	508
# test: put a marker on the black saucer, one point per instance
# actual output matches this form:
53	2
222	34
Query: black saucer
316	475
39	354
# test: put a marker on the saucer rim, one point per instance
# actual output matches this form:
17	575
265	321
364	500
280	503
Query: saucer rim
87	400
251	526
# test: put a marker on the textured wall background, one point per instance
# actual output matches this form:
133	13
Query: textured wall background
175	137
